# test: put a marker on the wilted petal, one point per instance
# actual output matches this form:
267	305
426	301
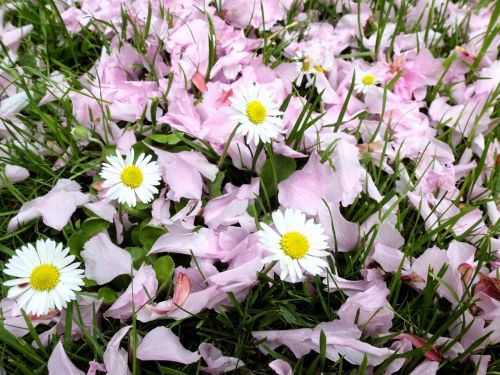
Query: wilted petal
60	364
426	367
306	189
94	367
418	342
281	367
104	260
199	82
161	344
13	173
55	208
231	207
481	362
298	340
369	309
116	358
183	172
216	362
342	235
140	291
102	209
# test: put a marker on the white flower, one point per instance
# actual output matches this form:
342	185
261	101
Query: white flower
314	60
296	244
364	80
129	181
46	277
257	114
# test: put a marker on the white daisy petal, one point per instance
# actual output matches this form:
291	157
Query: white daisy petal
53	276
297	244
128	180
256	113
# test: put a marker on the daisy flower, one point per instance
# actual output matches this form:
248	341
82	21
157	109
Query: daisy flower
313	61
296	243
46	277
257	114
364	80
128	180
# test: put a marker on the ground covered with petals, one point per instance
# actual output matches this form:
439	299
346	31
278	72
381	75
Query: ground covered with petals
253	187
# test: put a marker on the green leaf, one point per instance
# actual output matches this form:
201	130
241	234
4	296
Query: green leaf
138	255
94	225
149	235
140	211
170	139
88	283
164	268
275	170
215	187
108	295
76	243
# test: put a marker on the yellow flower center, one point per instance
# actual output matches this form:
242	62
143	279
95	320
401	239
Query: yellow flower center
306	65
132	176
295	245
256	112
319	68
44	277
368	79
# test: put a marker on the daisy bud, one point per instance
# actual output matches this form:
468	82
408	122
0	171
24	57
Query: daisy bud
80	133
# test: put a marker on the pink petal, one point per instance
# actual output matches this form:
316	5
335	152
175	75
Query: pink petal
426	368
199	82
60	364
161	344
142	288
94	367
56	207
281	367
418	342
116	358
104	260
182	289
217	363
14	174
305	189
103	209
183	172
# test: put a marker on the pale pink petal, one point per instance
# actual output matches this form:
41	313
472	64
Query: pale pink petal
94	367
297	340
140	291
231	208
103	209
342	234
203	243
104	260
305	189
217	363
281	367
126	141
14	174
183	172
55	208
369	309
161	344
426	368
481	362
60	364
116	358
